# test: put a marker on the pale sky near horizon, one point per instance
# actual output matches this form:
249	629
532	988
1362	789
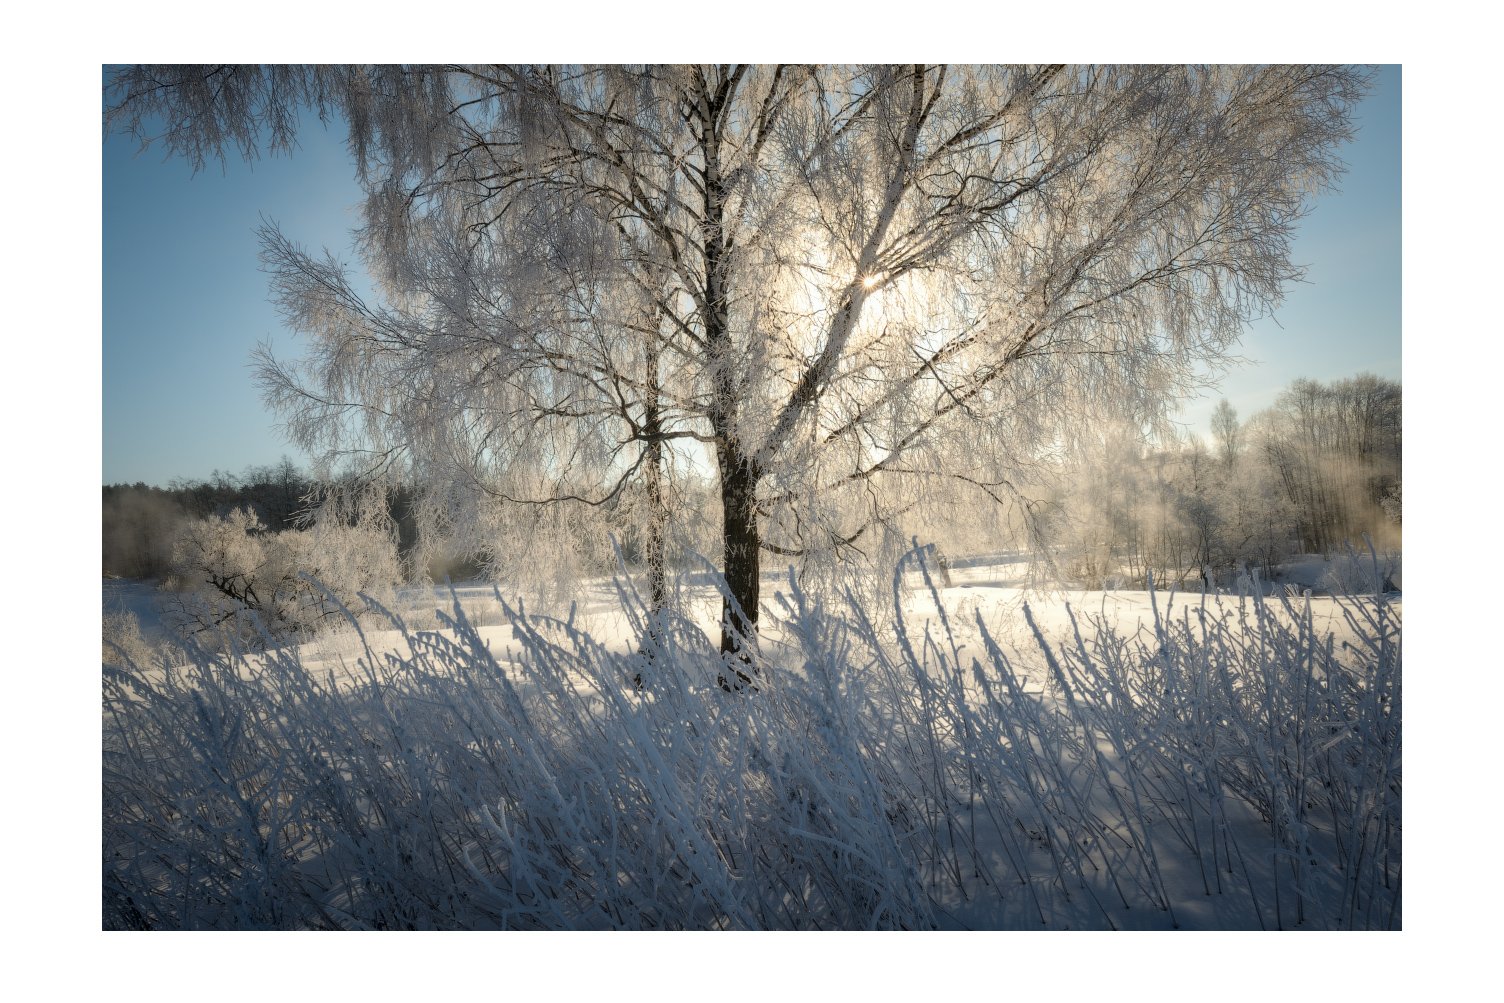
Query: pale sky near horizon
184	301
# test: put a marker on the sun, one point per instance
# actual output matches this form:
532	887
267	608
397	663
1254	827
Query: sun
871	281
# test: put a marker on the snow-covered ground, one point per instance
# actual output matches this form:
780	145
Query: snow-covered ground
994	587
994	757
995	594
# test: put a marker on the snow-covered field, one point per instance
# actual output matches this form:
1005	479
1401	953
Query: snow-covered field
990	758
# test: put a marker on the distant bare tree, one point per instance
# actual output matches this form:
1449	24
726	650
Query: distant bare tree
1227	433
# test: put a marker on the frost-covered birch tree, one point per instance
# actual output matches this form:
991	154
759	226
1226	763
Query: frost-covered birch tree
832	286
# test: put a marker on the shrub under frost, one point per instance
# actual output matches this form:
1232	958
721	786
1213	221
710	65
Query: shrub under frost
235	577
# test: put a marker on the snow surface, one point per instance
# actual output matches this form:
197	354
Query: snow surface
995	587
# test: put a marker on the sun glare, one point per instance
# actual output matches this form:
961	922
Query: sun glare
871	281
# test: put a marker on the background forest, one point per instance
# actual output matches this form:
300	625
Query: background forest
1311	475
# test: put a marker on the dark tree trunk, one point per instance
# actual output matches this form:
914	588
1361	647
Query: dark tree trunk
742	558
738	470
657	510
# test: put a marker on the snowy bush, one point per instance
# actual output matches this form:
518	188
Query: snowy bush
1225	767
124	640
236	579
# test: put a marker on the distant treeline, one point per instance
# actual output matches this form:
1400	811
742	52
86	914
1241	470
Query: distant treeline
1319	469
1312	474
143	524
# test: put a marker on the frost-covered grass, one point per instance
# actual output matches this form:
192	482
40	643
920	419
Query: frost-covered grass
1232	764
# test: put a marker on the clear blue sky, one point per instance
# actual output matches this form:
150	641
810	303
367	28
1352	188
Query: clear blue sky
1345	317
184	301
